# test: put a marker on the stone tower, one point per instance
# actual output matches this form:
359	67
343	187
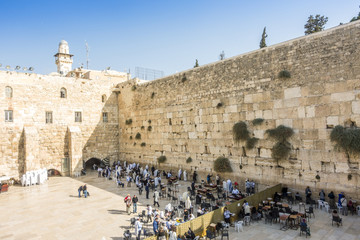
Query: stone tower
63	59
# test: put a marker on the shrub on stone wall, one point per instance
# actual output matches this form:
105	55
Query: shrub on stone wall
222	164
189	160
240	131
149	128
152	95
219	105
143	144
284	74
138	136
281	133
161	159
257	121
142	127
251	142
133	88
282	148
128	121
183	79
346	139
130	137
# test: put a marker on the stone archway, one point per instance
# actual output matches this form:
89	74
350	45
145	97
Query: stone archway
90	162
54	172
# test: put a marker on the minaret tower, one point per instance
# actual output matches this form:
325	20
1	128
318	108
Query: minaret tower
63	59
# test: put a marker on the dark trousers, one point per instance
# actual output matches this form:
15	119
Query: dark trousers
147	194
156	203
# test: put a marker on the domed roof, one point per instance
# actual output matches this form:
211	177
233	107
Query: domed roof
63	42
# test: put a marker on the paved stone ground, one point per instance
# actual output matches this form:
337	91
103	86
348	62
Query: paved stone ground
54	211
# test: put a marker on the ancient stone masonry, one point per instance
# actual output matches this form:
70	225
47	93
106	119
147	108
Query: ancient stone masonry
191	114
30	142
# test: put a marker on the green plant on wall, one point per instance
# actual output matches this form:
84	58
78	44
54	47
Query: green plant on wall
133	88
149	128
346	139
128	121
257	121
143	144
138	136
161	159
240	131
284	74
282	148
189	160
222	164
251	142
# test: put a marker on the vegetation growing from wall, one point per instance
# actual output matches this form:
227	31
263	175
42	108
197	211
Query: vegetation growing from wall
282	148
346	139
251	142
183	79
284	74
240	131
257	121
149	128
161	159
133	88
219	105
152	95
222	164
189	160
143	144
128	121
138	136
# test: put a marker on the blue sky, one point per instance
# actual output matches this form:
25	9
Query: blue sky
157	34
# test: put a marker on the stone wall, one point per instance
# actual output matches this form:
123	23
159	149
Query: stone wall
192	113
30	143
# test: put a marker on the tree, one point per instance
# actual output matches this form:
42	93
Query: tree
355	18
222	55
262	41
196	64
316	24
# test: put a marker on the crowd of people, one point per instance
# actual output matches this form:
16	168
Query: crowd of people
197	199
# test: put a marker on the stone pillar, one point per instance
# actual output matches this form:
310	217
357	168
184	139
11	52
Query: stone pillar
31	149
75	149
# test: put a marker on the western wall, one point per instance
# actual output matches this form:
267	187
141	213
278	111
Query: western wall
192	113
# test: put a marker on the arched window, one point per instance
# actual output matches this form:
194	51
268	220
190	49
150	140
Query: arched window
63	93
8	92
103	98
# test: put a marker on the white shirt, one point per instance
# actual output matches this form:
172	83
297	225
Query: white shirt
227	214
235	191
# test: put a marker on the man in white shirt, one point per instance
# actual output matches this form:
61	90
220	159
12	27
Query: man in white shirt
138	227
235	191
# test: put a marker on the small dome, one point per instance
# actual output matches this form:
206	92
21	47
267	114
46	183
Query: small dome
63	42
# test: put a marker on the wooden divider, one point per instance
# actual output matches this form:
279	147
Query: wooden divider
199	224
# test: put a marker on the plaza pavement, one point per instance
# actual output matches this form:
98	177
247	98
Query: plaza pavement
54	211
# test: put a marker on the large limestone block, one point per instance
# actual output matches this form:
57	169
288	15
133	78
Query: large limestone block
292	93
342	96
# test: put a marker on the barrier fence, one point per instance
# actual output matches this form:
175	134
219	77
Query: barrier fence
200	224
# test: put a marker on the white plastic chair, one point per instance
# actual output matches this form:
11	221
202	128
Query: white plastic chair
358	210
239	226
247	220
321	204
23	180
327	207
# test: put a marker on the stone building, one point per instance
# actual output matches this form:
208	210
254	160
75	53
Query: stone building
58	122
309	84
